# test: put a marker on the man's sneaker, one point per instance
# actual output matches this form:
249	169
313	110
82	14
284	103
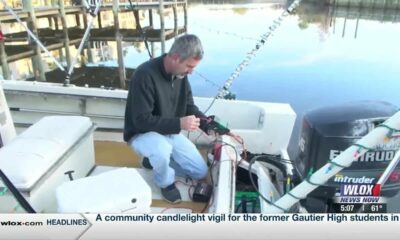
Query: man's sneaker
146	163
171	194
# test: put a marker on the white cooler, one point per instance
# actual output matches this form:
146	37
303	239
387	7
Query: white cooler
115	191
36	160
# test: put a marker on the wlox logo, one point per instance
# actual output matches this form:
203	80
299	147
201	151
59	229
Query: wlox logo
360	190
20	223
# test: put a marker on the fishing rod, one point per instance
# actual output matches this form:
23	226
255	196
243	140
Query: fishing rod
224	91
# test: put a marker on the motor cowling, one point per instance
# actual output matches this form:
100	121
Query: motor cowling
328	131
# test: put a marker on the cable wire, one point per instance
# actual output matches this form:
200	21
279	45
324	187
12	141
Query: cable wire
252	161
250	55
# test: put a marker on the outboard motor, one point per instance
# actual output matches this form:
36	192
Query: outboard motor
326	132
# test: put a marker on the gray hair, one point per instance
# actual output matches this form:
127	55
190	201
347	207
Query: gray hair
187	46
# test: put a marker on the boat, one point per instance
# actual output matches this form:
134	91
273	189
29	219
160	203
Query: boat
80	129
68	116
62	151
75	133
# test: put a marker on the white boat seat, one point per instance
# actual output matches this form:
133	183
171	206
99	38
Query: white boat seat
31	154
115	191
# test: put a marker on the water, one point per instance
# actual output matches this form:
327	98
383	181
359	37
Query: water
319	56
311	61
306	67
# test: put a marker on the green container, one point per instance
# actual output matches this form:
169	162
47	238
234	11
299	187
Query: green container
251	201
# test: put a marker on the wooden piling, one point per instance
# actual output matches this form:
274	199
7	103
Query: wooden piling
118	38
345	19
84	16
151	23
85	25
185	15
99	19
3	59
162	25
174	8
37	62
152	49
54	3
65	31
358	20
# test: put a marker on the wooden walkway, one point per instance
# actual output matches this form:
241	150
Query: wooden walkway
44	12
371	4
17	52
54	38
6	17
97	34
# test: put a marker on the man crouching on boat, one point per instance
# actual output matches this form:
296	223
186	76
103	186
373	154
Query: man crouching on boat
160	105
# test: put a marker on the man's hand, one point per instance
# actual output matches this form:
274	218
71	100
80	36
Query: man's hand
190	123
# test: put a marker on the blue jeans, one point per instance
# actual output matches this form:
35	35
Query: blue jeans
161	148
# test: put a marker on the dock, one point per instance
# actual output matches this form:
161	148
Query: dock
19	45
372	4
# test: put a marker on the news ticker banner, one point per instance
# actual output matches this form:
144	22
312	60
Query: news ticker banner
199	226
